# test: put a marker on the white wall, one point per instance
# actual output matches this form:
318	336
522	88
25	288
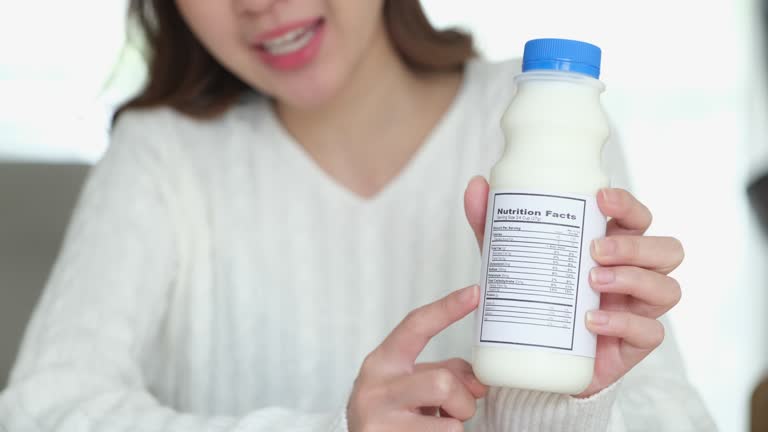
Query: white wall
681	81
683	89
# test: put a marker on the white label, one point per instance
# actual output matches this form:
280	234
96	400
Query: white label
536	262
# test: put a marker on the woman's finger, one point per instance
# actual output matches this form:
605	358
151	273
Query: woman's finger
629	216
420	423
643	334
661	254
400	349
655	289
432	388
462	370
475	201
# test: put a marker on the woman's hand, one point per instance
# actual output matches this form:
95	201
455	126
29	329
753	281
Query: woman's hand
393	393
632	277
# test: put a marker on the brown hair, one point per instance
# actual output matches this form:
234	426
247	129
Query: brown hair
182	75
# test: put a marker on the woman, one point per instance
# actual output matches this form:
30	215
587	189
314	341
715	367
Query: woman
239	258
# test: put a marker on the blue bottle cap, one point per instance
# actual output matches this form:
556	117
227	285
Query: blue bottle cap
562	55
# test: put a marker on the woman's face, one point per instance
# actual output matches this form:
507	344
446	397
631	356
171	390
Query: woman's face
298	51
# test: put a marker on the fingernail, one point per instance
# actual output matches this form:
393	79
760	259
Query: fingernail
602	275
597	317
472	378
468	294
604	247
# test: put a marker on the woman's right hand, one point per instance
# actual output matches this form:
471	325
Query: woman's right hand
393	393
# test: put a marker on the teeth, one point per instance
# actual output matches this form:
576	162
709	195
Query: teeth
289	42
284	38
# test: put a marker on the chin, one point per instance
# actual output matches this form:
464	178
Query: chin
308	91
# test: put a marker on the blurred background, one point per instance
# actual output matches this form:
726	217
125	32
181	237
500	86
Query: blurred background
686	90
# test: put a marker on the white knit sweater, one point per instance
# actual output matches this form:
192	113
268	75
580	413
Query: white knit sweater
214	278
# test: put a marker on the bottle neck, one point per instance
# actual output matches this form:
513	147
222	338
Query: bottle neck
556	109
560	76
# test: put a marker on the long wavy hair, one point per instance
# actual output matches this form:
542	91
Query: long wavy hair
184	76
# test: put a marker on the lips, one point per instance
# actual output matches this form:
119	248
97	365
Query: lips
291	46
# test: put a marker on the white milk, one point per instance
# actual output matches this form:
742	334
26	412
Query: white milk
542	218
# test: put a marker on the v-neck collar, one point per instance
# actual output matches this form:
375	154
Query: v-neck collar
428	150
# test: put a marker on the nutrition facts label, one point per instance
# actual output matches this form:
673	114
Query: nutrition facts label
532	270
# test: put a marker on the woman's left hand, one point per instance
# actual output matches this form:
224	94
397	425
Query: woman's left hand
632	277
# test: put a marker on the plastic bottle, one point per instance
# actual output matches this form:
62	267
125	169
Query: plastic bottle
542	216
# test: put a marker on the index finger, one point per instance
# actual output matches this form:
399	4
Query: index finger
408	339
628	215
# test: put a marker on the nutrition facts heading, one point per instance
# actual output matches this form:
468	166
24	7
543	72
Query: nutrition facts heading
558	215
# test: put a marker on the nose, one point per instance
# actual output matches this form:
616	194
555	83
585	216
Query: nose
253	7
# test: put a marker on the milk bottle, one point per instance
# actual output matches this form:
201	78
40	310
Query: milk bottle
542	216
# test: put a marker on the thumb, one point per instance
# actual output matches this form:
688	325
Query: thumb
462	370
475	201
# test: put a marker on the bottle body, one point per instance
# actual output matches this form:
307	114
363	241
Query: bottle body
542	216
